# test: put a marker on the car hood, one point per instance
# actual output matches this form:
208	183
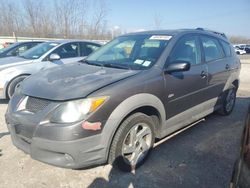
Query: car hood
72	81
7	62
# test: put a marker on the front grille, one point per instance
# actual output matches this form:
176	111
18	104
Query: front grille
35	105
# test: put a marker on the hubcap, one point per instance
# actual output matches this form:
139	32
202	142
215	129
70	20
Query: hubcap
137	144
230	100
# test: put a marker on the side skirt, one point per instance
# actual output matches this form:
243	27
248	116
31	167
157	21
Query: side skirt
188	117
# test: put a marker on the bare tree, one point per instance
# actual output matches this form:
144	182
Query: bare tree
34	14
98	25
69	15
9	18
58	18
239	40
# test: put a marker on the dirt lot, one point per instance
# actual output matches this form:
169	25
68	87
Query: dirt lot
202	156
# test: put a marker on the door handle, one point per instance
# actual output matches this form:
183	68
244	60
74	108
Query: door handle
227	67
203	74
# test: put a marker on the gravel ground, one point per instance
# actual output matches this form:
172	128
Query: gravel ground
202	156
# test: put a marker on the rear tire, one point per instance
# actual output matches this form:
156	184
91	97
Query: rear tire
132	142
14	84
228	102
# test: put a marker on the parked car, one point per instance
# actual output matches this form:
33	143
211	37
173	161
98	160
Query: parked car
17	48
241	173
245	47
239	51
111	106
13	70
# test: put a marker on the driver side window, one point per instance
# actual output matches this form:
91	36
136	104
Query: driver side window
68	50
186	49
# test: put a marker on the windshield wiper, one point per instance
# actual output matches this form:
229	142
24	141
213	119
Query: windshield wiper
91	63
112	65
115	65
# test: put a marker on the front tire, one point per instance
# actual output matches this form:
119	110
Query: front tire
228	102
14	84
132	142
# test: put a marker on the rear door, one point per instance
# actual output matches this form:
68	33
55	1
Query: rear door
218	65
185	90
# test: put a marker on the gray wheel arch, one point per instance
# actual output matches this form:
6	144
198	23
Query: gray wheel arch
124	109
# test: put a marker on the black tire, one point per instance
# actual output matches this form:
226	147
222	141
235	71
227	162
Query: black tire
13	84
229	97
116	156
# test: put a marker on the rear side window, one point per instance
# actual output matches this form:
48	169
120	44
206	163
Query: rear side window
212	48
227	48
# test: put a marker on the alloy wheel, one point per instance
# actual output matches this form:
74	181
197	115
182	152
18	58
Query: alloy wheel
136	144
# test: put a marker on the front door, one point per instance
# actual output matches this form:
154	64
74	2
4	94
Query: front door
185	90
69	53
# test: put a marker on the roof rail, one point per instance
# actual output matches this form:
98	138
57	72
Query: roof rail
215	32
200	28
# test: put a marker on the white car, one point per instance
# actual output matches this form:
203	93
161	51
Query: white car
14	70
239	51
245	47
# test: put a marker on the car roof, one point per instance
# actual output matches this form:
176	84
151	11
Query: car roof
181	31
61	41
33	41
156	32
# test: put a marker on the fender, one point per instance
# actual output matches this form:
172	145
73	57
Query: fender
7	75
124	108
233	77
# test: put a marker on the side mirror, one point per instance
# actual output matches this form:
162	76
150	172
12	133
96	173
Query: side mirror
177	66
54	57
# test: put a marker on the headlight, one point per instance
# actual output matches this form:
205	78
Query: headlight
77	110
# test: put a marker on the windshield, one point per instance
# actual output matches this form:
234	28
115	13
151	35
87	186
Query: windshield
7	48
39	50
130	52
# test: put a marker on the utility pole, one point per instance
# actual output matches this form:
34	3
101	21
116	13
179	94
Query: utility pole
14	36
